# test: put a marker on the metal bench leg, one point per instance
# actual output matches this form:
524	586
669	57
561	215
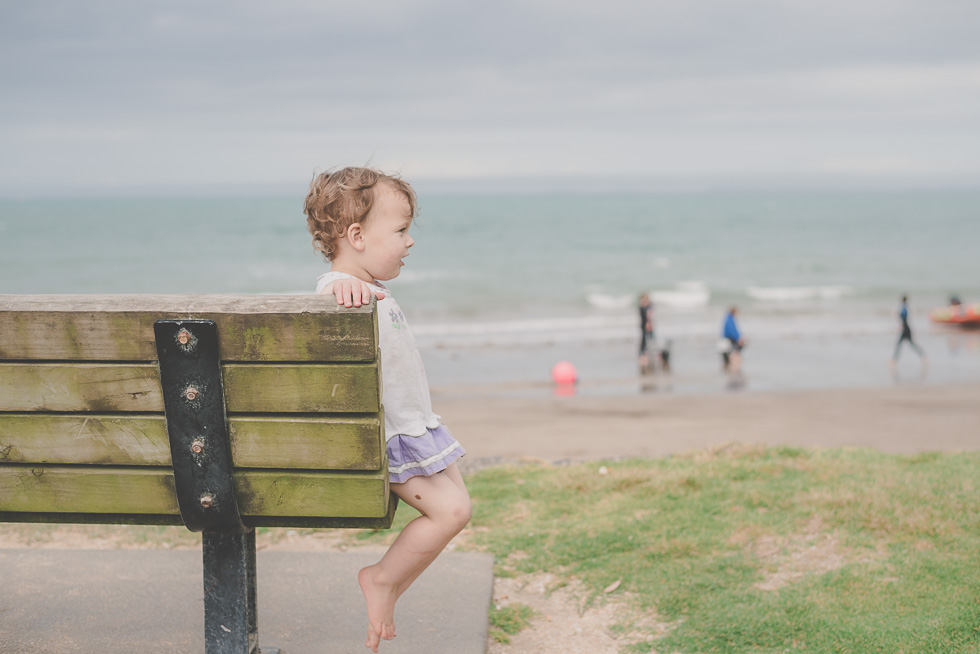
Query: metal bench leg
230	615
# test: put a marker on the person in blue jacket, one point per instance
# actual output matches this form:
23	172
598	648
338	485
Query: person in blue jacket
732	351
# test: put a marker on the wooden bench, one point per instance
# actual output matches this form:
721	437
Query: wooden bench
222	413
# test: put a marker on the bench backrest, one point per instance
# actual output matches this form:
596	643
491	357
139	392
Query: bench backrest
83	434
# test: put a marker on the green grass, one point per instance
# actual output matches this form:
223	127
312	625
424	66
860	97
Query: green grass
870	552
508	620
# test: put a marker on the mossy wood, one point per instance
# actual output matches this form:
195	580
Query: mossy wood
249	388
318	522
300	441
83	434
120	327
147	495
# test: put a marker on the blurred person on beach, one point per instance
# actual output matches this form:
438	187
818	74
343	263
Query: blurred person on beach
646	332
731	342
360	220
906	334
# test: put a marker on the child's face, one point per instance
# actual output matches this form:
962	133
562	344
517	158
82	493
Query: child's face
386	237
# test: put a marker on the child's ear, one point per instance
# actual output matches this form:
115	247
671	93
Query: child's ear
355	236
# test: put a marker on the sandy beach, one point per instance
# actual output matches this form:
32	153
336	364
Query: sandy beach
905	419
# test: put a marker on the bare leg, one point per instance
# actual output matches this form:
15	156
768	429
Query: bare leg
445	507
454	475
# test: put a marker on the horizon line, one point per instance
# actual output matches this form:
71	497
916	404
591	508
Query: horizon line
534	184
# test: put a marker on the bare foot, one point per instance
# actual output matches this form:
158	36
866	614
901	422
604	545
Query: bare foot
380	607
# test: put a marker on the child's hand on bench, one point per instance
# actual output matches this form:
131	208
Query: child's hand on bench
350	292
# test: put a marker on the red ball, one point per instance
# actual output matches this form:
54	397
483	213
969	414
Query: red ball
564	373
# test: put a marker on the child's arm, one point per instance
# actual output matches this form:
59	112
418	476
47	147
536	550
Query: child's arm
350	292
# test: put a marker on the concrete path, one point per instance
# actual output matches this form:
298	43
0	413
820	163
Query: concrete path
149	601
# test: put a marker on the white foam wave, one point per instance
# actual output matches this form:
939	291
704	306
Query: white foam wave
606	301
527	332
623	329
545	325
797	293
687	295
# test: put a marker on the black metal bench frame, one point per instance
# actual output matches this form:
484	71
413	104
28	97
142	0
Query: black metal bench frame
194	405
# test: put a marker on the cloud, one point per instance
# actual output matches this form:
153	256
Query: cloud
248	92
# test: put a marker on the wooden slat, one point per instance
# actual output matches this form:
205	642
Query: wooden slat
338	388
311	442
80	387
312	494
147	491
383	522
249	388
120	327
91	439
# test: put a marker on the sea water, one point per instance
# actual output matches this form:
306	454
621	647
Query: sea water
498	287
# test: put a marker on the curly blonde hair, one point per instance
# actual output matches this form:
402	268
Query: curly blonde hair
339	199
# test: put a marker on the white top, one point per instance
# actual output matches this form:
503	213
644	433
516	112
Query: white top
404	387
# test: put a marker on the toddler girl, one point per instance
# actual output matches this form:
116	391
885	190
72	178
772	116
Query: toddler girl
360	221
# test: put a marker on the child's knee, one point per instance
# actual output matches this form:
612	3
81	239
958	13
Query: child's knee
467	511
459	512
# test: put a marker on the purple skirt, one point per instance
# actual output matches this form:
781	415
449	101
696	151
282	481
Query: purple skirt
432	452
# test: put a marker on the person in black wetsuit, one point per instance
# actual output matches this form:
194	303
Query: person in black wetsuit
646	331
906	334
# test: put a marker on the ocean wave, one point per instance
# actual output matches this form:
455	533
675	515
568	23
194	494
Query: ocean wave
536	333
797	293
543	325
671	324
606	301
527	332
687	295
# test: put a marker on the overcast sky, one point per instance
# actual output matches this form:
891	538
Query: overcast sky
122	96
